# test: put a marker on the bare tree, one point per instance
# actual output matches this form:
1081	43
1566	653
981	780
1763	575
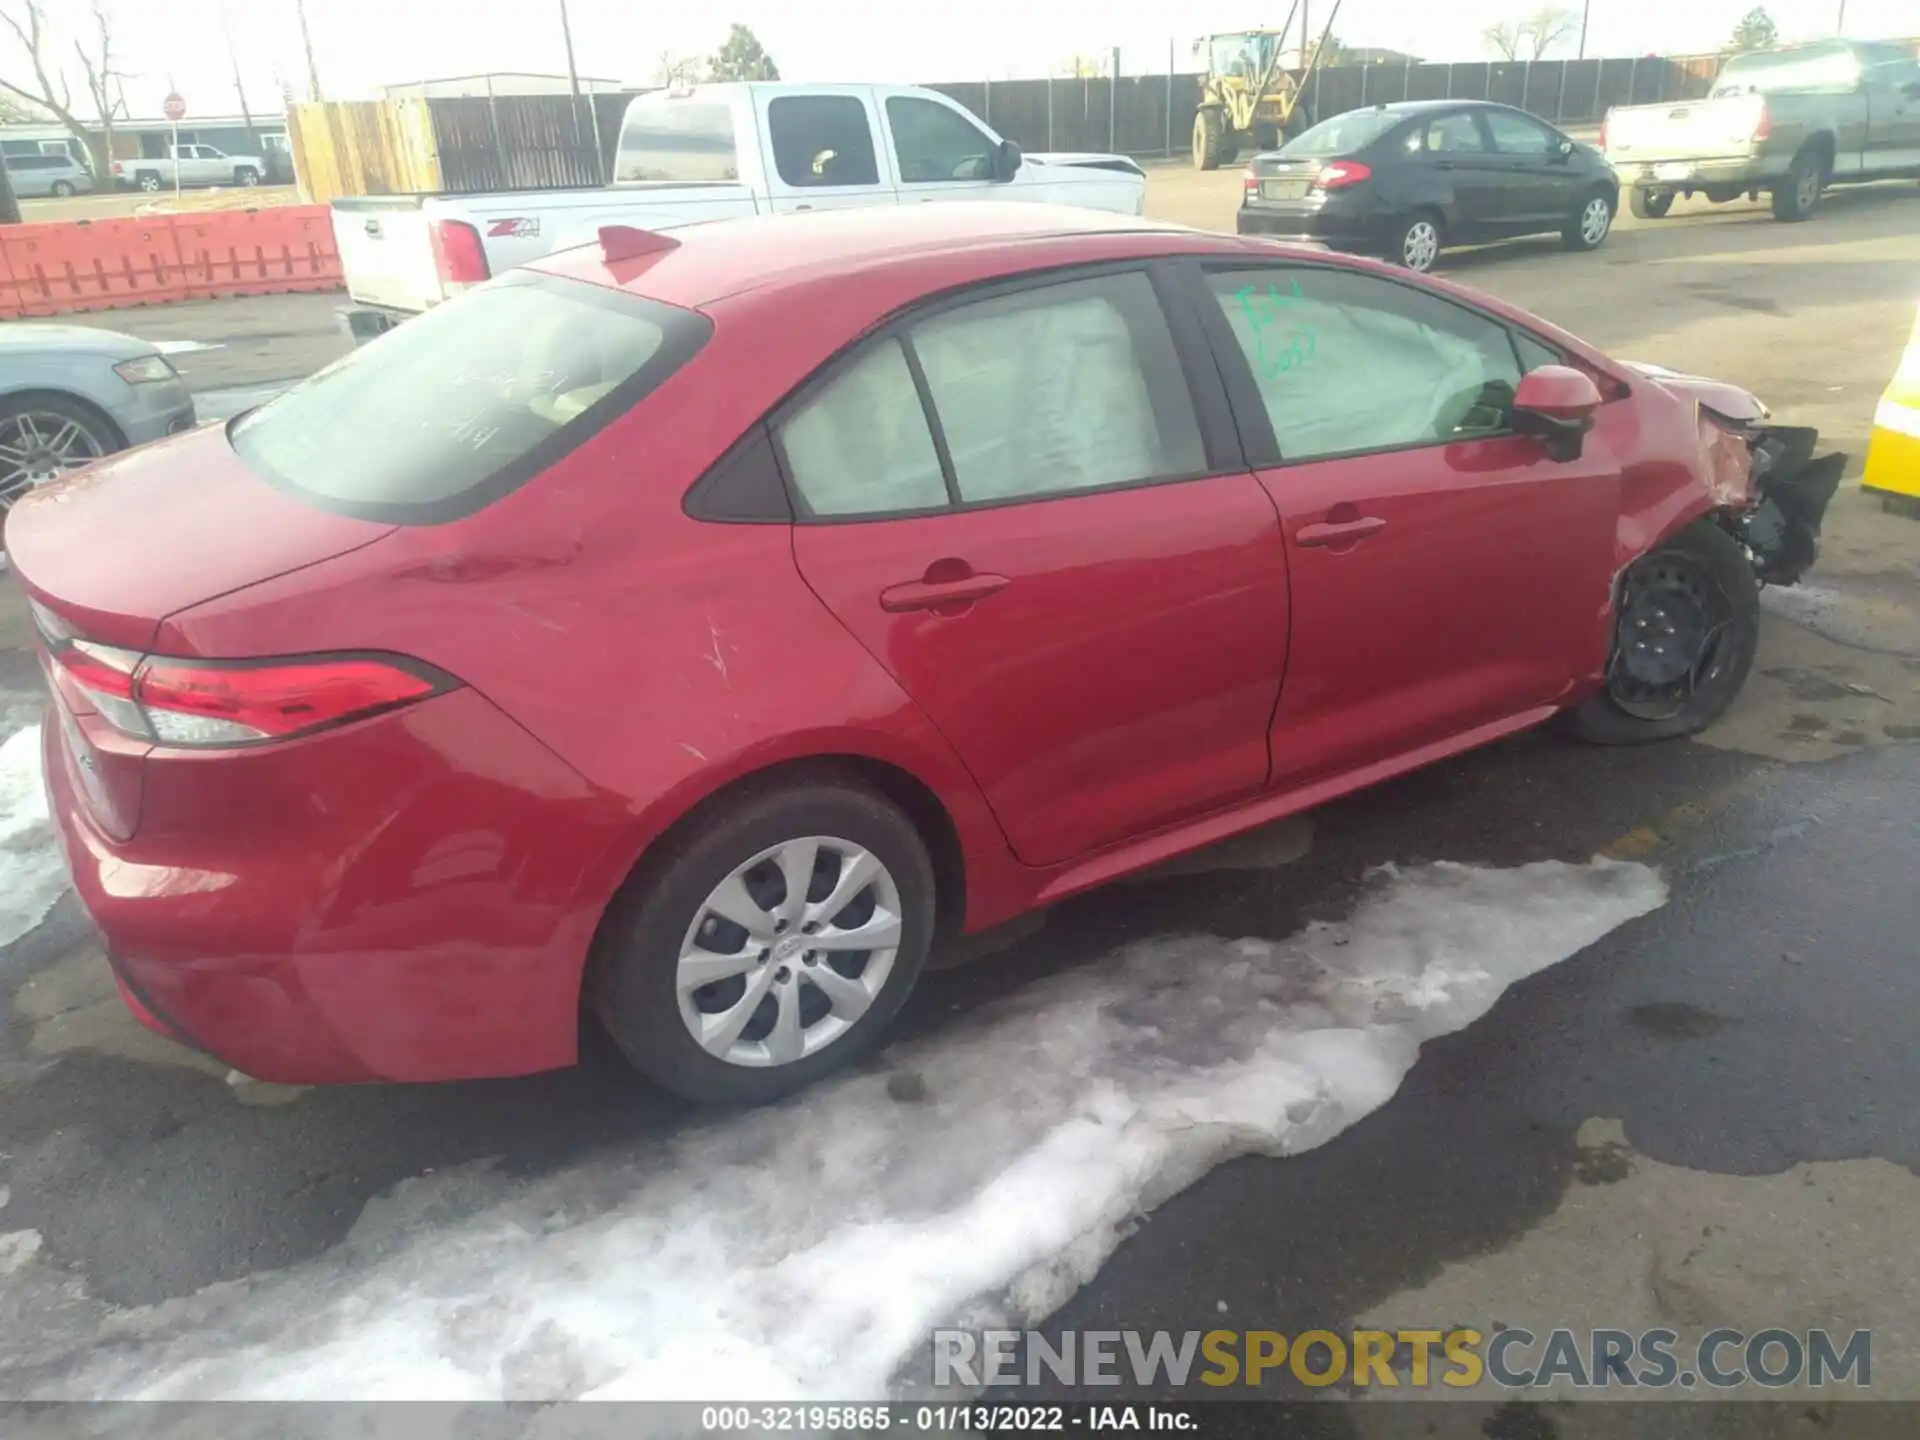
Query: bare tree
104	85
14	111
28	22
676	70
1531	38
1505	39
1545	28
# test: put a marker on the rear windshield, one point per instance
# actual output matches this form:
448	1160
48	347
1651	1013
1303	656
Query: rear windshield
683	139
456	407
1809	67
1343	134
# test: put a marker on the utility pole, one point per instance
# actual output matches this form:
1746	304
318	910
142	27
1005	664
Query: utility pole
573	85
306	40
1840	26
239	86
1586	9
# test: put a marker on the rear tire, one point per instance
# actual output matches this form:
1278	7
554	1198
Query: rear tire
638	981
1798	196
1417	243
246	175
149	182
1209	139
1591	222
1649	204
1698	585
62	188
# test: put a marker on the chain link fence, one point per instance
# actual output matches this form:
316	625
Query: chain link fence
1152	114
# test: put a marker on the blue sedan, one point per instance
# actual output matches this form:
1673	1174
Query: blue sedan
70	394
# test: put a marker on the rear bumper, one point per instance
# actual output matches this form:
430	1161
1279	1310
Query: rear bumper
367	322
397	900
1338	227
1738	172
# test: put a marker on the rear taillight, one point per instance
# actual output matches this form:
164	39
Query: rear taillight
118	168
457	253
1342	173
1603	129
1249	185
223	703
1763	127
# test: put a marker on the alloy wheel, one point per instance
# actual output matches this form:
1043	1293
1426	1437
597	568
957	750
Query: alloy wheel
1420	246
1595	221
40	445
789	951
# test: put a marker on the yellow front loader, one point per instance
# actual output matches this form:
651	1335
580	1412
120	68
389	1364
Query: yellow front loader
1248	98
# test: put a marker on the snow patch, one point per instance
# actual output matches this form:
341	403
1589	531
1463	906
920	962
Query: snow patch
32	874
805	1250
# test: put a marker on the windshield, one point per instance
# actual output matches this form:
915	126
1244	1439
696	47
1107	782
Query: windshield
1809	67
1343	134
458	406
1245	55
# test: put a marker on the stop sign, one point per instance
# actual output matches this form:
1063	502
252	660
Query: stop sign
174	107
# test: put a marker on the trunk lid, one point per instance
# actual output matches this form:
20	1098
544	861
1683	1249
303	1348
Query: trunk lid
127	542
386	251
1689	130
109	554
1285	177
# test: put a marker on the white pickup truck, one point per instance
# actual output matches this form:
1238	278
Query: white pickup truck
711	152
196	164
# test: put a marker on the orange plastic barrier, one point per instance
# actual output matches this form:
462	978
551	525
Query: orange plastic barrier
258	252
63	266
91	265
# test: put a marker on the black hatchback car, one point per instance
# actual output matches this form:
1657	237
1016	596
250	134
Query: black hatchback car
1407	180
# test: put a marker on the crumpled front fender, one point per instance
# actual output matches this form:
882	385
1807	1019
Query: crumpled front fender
1764	479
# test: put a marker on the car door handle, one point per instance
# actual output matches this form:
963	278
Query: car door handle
937	594
1332	532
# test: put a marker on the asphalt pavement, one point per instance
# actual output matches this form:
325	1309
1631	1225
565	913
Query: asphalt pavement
1703	1116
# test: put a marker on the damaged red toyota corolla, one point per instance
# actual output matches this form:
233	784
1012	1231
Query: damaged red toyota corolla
695	633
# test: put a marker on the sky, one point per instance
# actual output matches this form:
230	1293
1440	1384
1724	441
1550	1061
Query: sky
362	44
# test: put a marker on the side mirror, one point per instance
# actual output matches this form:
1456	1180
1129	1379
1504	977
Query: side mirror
1006	161
1566	149
1556	405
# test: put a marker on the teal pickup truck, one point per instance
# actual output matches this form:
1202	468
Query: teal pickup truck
1787	123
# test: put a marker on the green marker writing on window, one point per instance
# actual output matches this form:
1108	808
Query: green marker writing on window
1279	347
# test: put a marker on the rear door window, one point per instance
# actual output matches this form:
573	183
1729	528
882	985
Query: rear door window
682	140
1455	134
822	140
465	403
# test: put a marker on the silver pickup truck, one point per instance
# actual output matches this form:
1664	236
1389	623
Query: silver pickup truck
1786	122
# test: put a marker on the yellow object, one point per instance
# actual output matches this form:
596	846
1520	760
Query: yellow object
1893	454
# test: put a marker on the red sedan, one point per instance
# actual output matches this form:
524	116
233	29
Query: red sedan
698	631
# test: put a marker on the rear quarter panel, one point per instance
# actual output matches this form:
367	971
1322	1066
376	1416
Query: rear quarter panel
661	657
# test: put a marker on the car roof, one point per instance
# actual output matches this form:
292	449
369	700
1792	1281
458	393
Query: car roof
711	261
1421	107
